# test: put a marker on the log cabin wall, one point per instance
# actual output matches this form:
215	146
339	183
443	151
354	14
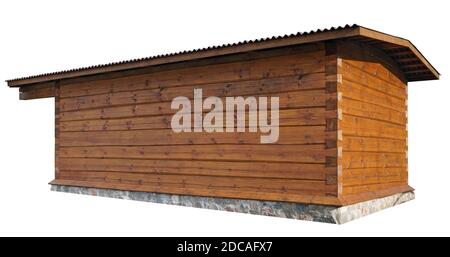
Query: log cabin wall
373	122
114	131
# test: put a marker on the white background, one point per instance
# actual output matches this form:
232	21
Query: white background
46	36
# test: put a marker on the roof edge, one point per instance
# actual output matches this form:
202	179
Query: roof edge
253	45
260	44
377	35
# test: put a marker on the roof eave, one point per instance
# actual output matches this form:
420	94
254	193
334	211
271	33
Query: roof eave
373	34
273	43
340	33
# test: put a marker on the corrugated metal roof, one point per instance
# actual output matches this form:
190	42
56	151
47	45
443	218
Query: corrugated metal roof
423	74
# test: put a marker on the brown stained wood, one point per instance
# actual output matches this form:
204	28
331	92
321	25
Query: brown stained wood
373	160
287	100
374	126
405	59
121	127
44	90
369	176
287	117
241	88
331	160
356	91
372	81
307	197
278	66
215	167
258	152
57	125
332	116
287	136
330	87
144	78
367	144
263	184
362	109
372	61
365	127
401	42
378	179
390	189
342	122
374	187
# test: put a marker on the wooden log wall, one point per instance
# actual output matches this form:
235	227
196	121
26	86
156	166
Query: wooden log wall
114	132
374	124
37	91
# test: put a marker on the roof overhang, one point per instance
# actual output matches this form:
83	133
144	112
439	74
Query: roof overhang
414	65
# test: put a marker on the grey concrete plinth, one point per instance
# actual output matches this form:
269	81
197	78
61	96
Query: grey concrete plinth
310	212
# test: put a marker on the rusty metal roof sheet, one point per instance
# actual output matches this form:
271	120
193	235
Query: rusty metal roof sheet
411	61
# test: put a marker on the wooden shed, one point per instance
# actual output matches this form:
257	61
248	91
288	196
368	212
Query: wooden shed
342	146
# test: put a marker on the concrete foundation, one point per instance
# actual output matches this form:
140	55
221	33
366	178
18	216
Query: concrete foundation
309	212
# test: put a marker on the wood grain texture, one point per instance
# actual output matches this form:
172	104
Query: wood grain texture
194	181
211	167
313	153
240	88
57	126
269	65
333	140
115	133
374	124
313	198
42	90
288	136
288	117
288	100
342	129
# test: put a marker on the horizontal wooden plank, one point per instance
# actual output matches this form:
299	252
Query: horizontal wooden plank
373	160
237	183
372	81
212	73
355	91
242	168
375	180
287	117
287	135
372	111
375	69
43	90
278	153
368	144
367	176
295	99
357	126
323	198
370	195
373	188
224	89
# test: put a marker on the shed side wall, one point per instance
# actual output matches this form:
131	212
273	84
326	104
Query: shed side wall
115	133
374	124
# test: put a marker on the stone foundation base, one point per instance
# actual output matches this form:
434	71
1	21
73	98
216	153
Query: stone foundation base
310	212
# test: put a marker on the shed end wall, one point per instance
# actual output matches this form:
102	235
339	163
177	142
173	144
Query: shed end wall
374	124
